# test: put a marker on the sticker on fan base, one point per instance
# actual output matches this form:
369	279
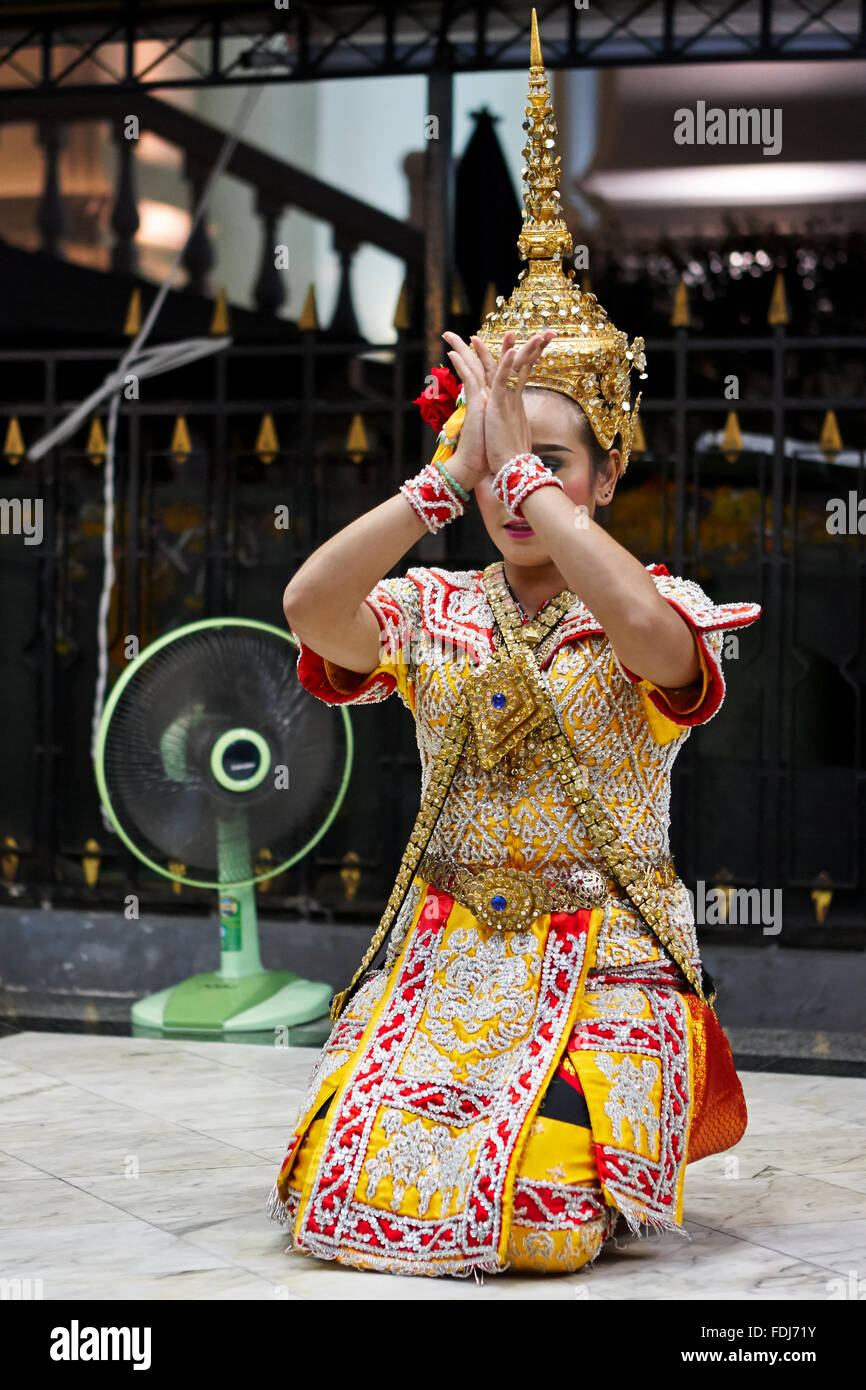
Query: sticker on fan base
230	924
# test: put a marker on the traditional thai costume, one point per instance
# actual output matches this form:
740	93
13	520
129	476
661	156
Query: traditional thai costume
537	1053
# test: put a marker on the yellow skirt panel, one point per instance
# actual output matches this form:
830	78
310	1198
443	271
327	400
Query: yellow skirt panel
555	1153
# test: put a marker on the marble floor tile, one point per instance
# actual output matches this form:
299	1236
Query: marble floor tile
68	1256
151	1146
185	1195
28	1201
837	1246
852	1178
738	1204
810	1155
711	1264
219	1285
206	1126
12	1168
263	1141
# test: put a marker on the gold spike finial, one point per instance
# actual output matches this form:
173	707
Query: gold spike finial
402	321
220	319
357	444
9	859
96	447
350	873
309	320
778	311
732	440
132	322
459	303
181	448
822	895
830	440
535	58
13	445
91	860
267	442
680	316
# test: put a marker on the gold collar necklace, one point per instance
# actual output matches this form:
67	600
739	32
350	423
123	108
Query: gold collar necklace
534	630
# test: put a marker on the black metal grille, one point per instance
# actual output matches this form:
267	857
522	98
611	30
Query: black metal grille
203	43
769	795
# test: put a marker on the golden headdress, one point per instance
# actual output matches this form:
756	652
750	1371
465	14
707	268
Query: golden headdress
588	360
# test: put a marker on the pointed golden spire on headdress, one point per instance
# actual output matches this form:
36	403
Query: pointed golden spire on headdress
535	58
544	234
589	360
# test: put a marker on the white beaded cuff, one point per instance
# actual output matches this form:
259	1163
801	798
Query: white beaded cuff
518	478
432	498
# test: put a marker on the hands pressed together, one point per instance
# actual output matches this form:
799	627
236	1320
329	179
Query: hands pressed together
495	428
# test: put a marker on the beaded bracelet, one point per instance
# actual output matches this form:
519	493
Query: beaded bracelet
518	478
430	496
451	481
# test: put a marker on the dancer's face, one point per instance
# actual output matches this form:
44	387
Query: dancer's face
560	434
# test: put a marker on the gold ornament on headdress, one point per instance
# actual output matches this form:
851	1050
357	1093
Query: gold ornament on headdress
588	360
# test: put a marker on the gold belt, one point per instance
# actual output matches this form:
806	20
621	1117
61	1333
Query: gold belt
511	899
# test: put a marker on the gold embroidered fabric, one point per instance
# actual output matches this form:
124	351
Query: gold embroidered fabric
474	1020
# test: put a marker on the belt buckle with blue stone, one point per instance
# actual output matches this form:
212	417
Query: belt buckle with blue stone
508	900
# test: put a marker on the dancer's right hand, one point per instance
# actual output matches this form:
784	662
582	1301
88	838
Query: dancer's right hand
469	461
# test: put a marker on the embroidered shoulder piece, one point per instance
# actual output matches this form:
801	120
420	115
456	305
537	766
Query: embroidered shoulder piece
707	621
454	608
693	603
683	594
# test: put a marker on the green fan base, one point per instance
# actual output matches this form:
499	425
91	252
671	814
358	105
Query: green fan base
212	1005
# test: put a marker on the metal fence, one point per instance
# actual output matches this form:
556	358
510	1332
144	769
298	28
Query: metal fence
768	795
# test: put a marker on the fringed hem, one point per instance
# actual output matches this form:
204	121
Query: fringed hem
641	1222
277	1209
456	1269
283	1214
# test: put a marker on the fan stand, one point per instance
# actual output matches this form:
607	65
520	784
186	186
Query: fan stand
241	997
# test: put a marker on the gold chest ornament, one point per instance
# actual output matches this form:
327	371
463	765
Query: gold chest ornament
507	705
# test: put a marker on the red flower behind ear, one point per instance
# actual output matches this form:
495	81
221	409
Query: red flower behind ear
439	401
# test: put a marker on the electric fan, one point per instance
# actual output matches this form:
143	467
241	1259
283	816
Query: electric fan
209	749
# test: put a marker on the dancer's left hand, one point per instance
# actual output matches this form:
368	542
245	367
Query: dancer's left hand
506	428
